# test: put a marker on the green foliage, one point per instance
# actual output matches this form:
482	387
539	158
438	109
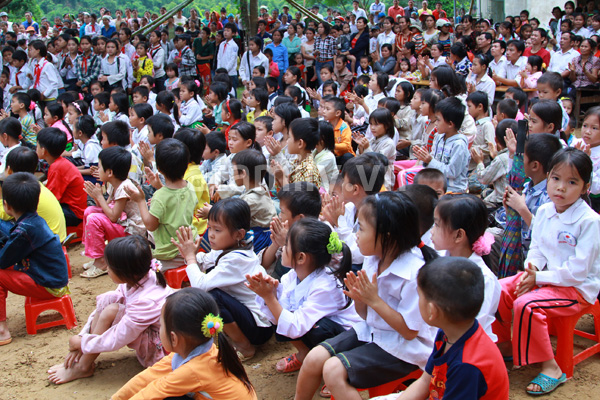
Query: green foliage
17	8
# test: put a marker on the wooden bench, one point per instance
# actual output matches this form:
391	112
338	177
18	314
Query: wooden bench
585	96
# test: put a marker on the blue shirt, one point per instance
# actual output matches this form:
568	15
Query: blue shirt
280	56
34	249
34	24
82	30
107	33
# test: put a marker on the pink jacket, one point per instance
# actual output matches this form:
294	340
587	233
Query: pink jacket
137	324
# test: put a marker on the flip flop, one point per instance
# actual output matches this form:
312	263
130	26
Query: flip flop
93	272
546	383
325	392
243	357
6	341
88	265
290	364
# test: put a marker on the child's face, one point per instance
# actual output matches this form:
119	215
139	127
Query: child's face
209	154
590	131
237	143
3	80
424	109
184	93
220	237
366	234
134	120
477	68
399	94
48	119
239	175
289	78
442	237
547	93
72	115
565	186
144	82
529	68
278	124
252	85
15	106
141	51
41	153
256	72
171	73
103	175
104	141
325	75
152	138
261	132
568	106
138	99
328	91
293	146
415	103
377	129
364	63
442	125
251	101
112	106
298	59
329	111
474	110
404	66
95	89
537	125
212	97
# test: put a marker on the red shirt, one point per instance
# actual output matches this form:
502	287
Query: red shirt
393	12
66	183
545	54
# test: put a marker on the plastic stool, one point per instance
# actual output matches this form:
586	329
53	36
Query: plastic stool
78	230
394	386
34	307
68	261
176	276
564	330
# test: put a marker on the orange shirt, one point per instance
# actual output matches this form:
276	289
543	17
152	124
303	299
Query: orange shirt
343	138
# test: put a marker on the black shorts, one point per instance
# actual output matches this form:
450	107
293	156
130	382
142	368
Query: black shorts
324	329
367	364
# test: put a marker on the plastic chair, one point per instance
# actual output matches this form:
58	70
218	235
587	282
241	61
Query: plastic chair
394	386
176	276
564	330
34	307
78	230
68	261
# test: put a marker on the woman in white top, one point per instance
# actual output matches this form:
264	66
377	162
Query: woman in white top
113	71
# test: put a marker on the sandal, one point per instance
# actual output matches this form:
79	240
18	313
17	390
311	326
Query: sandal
325	392
288	364
6	341
93	272
243	357
88	265
546	383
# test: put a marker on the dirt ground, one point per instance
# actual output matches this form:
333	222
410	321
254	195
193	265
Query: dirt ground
23	363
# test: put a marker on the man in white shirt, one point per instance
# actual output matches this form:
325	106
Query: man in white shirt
228	54
358	12
251	59
498	64
559	61
4	18
179	19
92	28
375	9
516	63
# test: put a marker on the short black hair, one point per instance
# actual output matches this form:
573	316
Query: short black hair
161	124
103	98
367	171
216	141
337	103
288	112
172	158
116	159
21	191
53	140
143	110
452	110
432	175
501	130
541	147
262	96
121	101
230	25
142	90
271	81
508	107
552	79
301	198
307	130
116	132
455	285
519	95
253	162
479	98
194	140
268	121
20	55
425	198
11	126
22	159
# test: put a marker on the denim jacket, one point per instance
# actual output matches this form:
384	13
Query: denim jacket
33	249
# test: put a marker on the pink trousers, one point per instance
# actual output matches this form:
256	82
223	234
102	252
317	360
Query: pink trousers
97	228
19	283
530	338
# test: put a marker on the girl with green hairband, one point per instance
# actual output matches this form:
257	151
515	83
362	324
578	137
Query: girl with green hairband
309	304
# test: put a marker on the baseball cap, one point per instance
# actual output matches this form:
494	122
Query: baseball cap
3	14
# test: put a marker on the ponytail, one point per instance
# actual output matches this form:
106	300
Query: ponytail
427	252
343	267
231	363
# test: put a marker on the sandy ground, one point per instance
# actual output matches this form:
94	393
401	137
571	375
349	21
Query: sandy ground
23	363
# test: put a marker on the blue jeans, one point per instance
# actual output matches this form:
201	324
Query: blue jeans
318	66
6	226
234	83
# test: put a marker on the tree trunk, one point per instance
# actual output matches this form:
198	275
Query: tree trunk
253	25
244	14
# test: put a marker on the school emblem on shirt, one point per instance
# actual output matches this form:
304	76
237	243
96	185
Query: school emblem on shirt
567	238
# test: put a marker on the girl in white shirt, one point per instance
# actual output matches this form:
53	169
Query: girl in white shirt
45	77
478	78
309	305
324	156
113	70
230	261
562	270
393	340
190	105
459	228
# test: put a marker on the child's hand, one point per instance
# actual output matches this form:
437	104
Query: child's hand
204	129
264	287
523	74
103	116
363	142
422	154
493	149
94	171
136	195
279	231
476	155
147	152
153	178
360	288
75	352
35	128
277	170
527	282
212	190
273	145
203	212
511	142
208	113
94	191
333	210
402	144
584	147
514	200
185	243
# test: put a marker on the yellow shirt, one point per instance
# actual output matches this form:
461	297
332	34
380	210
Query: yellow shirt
250	117
194	176
49	209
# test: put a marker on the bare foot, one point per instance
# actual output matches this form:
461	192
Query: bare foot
247	352
553	371
100	263
4	333
58	374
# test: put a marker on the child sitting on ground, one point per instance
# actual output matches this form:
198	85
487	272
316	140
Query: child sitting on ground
32	262
128	316
434	178
85	131
64	179
214	155
111	218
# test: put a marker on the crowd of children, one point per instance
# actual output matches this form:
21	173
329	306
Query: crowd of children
378	228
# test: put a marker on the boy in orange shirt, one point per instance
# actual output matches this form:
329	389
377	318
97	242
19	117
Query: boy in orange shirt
333	110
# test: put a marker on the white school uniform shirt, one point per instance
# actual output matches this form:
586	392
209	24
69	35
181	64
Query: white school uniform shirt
565	248
222	171
68	72
372	100
347	226
491	297
90	151
246	70
486	85
210	167
227	56
49	81
499	67
89	29
4	152
305	302
21	76
129	51
397	287
115	71
229	275
157	55
385	38
191	111
513	70
595	156
122	117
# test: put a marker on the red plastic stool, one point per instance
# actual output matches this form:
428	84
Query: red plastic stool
176	276
78	230
34	307
68	261
564	330
394	386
